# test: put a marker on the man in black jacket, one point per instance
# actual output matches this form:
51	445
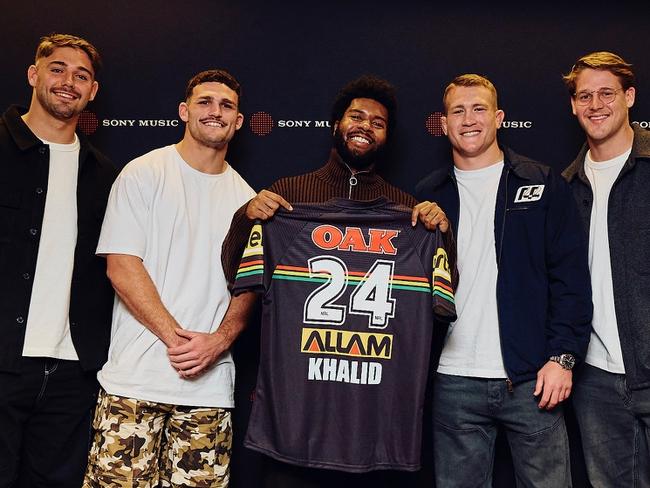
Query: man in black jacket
610	179
523	301
56	300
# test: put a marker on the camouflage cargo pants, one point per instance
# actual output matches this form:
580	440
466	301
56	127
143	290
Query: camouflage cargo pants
141	444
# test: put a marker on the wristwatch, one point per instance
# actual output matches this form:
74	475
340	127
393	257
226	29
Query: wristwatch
567	361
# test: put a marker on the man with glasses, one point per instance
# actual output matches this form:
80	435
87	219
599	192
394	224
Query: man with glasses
610	180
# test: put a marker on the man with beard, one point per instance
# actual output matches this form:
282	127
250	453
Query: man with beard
363	119
167	387
56	301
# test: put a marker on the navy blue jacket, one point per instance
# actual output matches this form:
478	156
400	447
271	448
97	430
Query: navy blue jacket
543	285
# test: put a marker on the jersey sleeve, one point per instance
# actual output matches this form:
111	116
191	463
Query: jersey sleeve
444	306
250	273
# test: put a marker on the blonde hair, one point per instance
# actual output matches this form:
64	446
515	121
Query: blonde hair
469	79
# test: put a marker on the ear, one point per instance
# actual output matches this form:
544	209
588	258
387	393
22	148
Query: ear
182	112
500	115
443	124
630	95
32	75
574	110
240	121
93	91
336	126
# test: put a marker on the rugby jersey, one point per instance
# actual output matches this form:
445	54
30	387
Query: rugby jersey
350	290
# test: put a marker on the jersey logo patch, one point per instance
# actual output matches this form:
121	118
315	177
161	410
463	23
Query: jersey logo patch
254	245
379	241
530	193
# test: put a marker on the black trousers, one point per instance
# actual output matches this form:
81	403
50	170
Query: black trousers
45	424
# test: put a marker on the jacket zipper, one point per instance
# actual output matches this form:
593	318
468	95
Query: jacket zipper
503	229
353	181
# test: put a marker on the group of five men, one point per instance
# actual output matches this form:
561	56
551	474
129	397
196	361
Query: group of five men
530	247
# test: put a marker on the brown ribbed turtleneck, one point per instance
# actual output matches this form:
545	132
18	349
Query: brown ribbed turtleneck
329	181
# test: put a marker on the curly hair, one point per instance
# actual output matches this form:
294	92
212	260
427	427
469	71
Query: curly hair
366	86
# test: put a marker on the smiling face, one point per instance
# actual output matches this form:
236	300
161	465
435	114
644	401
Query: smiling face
211	114
63	82
362	131
603	122
471	124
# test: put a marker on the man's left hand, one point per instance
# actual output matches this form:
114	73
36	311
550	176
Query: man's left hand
199	353
431	216
554	384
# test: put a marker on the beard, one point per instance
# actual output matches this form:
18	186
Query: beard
352	159
58	110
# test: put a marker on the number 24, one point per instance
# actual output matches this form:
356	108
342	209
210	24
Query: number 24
371	297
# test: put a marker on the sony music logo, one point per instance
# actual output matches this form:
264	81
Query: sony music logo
140	123
517	124
303	123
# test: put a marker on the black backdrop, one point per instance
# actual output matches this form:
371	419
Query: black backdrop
292	57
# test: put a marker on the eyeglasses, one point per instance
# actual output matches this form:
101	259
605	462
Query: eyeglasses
605	95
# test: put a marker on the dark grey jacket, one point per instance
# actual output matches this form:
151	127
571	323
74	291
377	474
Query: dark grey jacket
629	244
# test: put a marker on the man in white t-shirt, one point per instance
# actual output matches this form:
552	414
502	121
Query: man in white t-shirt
55	310
610	180
523	302
167	386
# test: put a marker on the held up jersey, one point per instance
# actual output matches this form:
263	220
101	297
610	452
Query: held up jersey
350	290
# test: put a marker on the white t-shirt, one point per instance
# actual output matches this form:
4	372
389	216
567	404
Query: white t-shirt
175	218
48	322
473	347
605	346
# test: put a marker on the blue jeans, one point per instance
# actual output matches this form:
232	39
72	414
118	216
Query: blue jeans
614	426
467	414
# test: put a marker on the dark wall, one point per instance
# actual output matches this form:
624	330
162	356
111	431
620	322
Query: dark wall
292	57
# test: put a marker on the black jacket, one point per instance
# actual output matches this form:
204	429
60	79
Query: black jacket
543	285
628	224
24	166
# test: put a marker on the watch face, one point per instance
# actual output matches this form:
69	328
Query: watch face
567	361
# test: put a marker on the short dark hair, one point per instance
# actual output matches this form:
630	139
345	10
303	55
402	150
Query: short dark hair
603	61
48	44
366	86
213	75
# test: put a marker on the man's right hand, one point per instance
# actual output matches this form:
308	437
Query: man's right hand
265	204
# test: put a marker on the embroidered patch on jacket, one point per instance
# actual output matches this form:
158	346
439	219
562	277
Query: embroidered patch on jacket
530	193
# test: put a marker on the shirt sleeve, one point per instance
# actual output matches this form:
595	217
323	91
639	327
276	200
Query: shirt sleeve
124	227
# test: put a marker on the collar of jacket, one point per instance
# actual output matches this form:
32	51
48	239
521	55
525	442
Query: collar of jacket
25	139
335	171
17	128
640	150
511	161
